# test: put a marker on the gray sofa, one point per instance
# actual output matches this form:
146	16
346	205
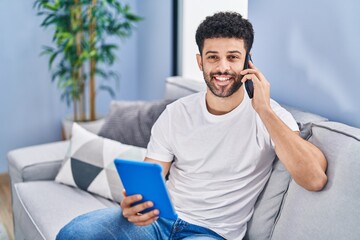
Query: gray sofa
283	211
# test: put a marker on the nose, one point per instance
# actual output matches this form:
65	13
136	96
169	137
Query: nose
223	65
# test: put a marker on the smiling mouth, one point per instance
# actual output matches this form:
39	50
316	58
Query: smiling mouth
223	80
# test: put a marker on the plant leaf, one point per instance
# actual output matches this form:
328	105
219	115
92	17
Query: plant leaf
107	89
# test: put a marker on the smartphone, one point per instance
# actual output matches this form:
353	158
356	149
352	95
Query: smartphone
248	84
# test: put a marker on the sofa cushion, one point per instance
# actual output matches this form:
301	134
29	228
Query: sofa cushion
35	212
130	122
269	202
334	212
267	206
89	163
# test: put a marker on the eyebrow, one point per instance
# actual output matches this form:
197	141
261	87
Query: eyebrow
210	52
213	52
235	51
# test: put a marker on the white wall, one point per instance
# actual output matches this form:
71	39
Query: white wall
192	13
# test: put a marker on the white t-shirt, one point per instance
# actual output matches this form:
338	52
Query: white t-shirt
221	162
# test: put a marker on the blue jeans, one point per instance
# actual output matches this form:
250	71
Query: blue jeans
109	223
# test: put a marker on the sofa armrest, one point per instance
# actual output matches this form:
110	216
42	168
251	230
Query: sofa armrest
40	162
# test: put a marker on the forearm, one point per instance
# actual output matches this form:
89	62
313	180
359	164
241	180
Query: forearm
304	161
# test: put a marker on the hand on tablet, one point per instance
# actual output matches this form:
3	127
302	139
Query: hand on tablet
132	213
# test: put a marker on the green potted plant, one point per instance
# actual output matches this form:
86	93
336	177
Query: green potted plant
82	51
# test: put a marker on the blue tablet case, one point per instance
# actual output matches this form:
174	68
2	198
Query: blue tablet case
146	179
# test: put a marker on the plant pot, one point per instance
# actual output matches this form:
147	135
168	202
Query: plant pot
92	126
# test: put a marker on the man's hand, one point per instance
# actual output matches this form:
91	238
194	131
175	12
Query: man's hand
132	213
261	99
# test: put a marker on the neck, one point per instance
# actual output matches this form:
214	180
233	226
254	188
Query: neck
219	106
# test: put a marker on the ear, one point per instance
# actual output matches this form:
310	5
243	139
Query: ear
199	61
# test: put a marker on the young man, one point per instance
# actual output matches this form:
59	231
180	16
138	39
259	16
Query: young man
218	146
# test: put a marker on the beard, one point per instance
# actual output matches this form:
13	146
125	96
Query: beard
223	91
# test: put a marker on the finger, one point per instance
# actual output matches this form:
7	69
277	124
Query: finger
128	200
128	212
256	72
151	220
250	71
259	82
124	192
141	207
144	217
252	77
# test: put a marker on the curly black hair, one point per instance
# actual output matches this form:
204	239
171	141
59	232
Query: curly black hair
225	25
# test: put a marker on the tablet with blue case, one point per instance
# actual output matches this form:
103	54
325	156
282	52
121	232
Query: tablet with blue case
145	178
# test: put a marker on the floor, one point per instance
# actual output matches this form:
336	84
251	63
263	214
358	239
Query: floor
5	205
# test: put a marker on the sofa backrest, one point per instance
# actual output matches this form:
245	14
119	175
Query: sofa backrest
334	212
177	87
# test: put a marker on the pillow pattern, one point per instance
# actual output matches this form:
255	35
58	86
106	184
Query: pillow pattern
89	163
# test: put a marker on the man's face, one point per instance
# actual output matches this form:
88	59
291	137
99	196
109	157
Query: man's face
221	61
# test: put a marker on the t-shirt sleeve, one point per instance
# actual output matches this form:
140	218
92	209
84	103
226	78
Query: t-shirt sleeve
159	145
284	115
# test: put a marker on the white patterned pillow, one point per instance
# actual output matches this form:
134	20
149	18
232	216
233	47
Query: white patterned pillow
89	163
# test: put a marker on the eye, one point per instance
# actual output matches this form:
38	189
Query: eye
233	57
212	57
